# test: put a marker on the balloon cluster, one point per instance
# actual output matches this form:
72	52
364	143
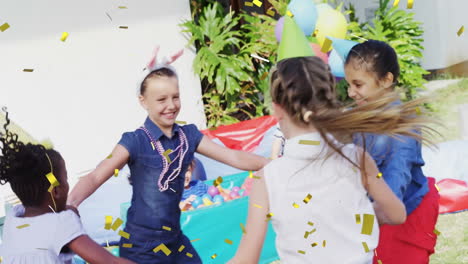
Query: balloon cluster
218	195
319	22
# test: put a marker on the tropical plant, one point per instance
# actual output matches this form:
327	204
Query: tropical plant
233	82
399	29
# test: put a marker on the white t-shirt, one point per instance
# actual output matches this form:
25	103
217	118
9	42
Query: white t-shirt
337	197
42	240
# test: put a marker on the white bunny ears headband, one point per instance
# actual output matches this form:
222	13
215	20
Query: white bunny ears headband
155	64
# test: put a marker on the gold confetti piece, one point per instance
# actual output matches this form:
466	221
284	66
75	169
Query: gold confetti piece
310	223
162	248
366	248
124	234
396	2
264	76
243	228
22	226
181	122
214	256
195	240
289	13
116	172
258	3
4	27
53	181
324	243
418	110
167	228
368	224
410	4
379	261
295	205
301	252
181	248
379	175
309	142
123	27
127	245
28	70
358	219
122	7
218	181
314	244
166	155
152	145
248	4
313	231
306	234
269	216
258	206
436	232
326	45
228	241
108	222
118	222
189	255
461	30
271	12
64	36
307	199
437	187
110	156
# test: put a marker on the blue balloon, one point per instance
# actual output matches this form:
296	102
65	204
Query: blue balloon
218	199
336	64
198	200
305	14
207	196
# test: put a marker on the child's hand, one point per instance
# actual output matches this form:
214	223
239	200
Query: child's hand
191	198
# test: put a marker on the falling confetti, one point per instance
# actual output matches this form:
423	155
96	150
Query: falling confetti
167	228
214	256
108	222
258	3
258	206
379	261
166	155
22	226
110	156
368	224
64	36
437	187
309	142
289	13
461	30
248	4
314	244
218	181
116	172
181	122
295	205
4	27
410	4
228	241
181	248
324	243
28	70
269	216
358	219
124	234
418	111
189	255
243	228
379	175
195	240
127	245
123	27
326	45
118	222
310	223
122	7
162	248
396	2
301	252
436	232
366	248
271	12
307	199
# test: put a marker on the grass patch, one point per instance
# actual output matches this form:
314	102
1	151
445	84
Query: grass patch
452	244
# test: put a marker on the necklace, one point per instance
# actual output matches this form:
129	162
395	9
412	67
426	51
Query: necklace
181	151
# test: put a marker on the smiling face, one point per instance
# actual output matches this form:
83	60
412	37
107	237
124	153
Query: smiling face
364	85
161	99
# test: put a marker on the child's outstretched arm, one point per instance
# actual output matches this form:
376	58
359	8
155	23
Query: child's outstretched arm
252	241
235	158
89	183
388	208
90	251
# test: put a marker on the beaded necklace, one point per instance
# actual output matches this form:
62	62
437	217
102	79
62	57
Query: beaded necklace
181	151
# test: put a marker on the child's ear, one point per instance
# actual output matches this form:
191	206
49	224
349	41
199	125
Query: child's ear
278	111
387	81
141	98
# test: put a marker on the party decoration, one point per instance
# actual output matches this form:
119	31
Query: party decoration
342	46
305	14
317	49
4	27
162	248
279	28
293	42
331	23
321	7
336	64
64	36
461	30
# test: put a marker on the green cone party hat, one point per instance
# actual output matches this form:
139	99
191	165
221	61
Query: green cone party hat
293	41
